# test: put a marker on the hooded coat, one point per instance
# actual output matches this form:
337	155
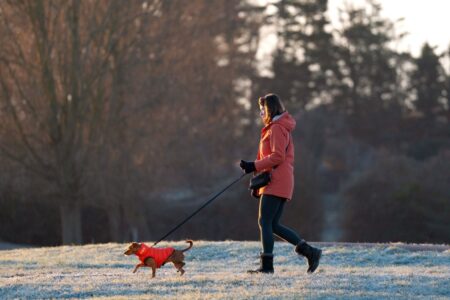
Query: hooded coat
276	154
160	255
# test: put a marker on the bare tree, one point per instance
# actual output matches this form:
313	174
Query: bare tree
61	65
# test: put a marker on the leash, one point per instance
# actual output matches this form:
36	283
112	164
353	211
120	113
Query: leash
200	208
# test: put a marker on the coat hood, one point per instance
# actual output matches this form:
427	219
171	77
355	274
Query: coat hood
285	120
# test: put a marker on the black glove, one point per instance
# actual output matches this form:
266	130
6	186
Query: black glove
247	166
254	193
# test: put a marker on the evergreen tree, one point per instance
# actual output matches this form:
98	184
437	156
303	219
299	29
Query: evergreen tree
428	88
428	82
304	63
371	94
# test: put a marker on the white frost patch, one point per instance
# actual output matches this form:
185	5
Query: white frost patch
217	270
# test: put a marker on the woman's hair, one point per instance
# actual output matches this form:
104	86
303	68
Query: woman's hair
272	107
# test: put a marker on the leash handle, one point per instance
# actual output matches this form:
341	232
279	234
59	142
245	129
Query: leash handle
200	208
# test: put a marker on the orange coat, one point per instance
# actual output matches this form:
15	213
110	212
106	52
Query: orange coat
276	148
160	255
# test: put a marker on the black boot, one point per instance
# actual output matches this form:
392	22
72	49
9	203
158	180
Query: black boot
312	254
266	264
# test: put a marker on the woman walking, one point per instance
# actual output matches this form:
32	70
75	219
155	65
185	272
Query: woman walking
276	155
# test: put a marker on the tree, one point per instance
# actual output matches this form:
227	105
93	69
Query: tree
428	83
305	72
372	89
61	65
399	199
448	85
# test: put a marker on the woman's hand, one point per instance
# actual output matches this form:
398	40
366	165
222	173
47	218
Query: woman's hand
254	193
247	166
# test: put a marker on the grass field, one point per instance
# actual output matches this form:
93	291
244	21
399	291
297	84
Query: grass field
217	270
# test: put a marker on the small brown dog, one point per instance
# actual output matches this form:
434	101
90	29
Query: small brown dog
157	257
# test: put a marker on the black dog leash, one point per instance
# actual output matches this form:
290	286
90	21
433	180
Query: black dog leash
200	208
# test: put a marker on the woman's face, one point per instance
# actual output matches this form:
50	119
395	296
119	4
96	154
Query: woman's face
262	111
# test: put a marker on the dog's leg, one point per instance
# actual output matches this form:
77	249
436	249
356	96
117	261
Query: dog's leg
176	265
138	266
150	262
179	266
182	265
177	259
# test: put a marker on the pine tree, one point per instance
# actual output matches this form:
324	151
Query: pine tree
304	63
428	82
371	94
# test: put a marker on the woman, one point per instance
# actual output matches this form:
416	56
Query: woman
276	154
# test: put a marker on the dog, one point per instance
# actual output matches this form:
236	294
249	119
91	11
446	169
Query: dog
157	257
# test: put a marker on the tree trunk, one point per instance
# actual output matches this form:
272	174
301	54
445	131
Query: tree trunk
115	219
71	223
142	226
137	224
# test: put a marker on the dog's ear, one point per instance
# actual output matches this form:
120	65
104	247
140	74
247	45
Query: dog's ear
135	245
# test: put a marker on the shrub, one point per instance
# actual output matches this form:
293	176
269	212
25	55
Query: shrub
399	199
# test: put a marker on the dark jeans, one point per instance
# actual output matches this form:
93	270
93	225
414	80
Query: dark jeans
270	211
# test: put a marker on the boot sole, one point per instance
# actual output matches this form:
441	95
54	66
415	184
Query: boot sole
314	266
259	272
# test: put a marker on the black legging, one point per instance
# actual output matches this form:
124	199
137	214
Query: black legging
270	211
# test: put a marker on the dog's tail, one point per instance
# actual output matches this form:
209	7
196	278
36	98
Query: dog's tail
190	246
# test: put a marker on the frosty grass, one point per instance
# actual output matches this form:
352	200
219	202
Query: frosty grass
217	270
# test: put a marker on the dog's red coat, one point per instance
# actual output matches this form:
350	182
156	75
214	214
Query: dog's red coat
160	255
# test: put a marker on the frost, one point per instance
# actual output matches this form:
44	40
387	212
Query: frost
217	270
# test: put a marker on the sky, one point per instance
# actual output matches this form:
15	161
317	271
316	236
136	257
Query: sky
424	20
